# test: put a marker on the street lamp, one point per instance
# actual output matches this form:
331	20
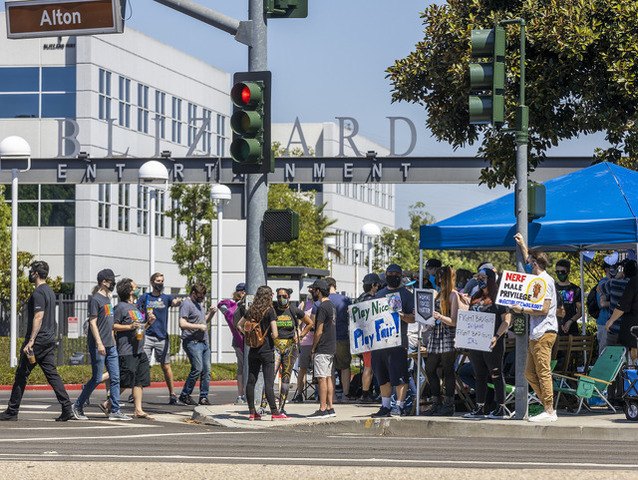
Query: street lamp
370	230
220	195
358	248
14	148
152	172
330	243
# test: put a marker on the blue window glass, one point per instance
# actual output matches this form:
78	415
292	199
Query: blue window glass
58	105
58	79
19	79
18	106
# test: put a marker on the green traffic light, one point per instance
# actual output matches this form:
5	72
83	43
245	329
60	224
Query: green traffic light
488	77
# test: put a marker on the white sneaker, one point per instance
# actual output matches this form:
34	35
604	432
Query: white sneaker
544	417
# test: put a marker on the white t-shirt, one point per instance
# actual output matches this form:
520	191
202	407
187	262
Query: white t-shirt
539	325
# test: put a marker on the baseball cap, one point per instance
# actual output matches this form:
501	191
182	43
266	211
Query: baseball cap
321	284
371	278
611	259
241	287
487	272
486	266
105	274
393	267
433	263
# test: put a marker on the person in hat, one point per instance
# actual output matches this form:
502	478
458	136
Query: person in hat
371	285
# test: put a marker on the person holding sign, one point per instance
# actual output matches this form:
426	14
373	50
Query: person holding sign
543	328
488	366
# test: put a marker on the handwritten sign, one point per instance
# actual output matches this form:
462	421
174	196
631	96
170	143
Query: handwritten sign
424	302
373	326
522	289
474	330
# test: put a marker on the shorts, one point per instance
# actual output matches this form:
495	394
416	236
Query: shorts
324	365
391	365
135	371
342	355
161	347
367	359
305	356
239	355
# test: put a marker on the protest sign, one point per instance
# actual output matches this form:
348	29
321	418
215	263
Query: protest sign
373	325
424	302
522	289
474	330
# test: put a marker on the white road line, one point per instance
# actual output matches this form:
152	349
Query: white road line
34	407
89	424
109	437
376	437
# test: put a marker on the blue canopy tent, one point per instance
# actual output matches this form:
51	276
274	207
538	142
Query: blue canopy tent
591	209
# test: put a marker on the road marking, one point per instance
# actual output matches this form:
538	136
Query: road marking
89	424
34	407
113	437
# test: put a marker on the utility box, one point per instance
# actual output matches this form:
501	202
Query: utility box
535	200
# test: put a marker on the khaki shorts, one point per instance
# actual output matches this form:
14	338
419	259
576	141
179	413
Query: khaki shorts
324	365
342	355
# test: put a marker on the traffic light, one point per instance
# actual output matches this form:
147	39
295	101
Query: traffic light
286	8
535	200
488	108
250	122
281	225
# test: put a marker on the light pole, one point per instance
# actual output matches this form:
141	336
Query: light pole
358	248
152	172
14	148
220	195
370	230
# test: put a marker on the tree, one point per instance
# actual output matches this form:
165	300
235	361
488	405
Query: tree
582	60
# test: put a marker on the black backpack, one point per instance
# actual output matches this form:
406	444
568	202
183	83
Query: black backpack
592	304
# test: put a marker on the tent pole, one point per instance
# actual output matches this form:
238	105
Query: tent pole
418	344
583	297
421	268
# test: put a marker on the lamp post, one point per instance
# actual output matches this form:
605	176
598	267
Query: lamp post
14	148
330	243
358	248
152	172
370	230
220	195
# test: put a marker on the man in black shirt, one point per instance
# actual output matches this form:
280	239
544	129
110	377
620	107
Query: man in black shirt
39	346
572	301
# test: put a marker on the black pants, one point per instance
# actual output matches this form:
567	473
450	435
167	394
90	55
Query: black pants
488	367
45	357
266	361
446	361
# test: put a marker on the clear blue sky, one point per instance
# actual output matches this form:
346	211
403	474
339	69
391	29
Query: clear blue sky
331	64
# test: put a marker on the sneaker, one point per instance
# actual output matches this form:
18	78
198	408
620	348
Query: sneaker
499	413
118	416
544	417
433	410
66	415
78	412
204	401
478	412
8	417
331	412
187	400
254	416
172	400
241	400
382	413
397	411
280	416
319	414
446	410
261	410
298	398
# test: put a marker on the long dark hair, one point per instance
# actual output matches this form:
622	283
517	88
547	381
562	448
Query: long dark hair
261	304
492	290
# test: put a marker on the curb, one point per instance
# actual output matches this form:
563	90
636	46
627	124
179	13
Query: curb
77	386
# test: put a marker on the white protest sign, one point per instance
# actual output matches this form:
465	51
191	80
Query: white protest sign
474	330
522	289
373	325
424	306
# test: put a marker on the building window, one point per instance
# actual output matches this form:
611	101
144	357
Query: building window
104	206
142	108
124	119
123	207
160	113
104	112
159	213
176	124
175	225
44	205
142	210
221	135
192	123
208	132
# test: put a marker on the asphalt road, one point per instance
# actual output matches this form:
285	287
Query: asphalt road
172	438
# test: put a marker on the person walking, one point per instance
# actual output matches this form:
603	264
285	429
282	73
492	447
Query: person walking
39	346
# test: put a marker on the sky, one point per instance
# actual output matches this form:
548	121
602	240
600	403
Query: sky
328	65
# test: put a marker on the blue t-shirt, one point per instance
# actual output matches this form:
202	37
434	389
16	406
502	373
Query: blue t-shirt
407	307
604	315
160	305
341	304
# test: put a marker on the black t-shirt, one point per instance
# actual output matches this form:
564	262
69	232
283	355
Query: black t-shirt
287	321
127	342
485	304
326	314
571	296
629	300
42	300
268	345
100	307
407	307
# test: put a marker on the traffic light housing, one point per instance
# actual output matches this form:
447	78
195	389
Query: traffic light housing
286	8
250	147
488	76
281	225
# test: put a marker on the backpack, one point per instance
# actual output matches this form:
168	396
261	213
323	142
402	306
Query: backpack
253	335
592	304
463	300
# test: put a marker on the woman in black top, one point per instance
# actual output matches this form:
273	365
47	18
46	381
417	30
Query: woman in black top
488	366
627	311
263	357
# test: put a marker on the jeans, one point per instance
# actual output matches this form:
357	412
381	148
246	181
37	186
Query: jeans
198	353
112	366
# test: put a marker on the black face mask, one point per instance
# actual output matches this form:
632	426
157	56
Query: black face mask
110	286
562	276
158	286
315	297
393	281
32	277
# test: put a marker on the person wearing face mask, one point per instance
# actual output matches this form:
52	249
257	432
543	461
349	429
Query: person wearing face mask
39	346
287	343
431	266
156	341
129	325
572	300
193	321
102	349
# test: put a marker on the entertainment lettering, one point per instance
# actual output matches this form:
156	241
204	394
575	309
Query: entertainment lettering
373	326
522	289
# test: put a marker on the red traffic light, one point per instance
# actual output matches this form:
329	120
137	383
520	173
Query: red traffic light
247	94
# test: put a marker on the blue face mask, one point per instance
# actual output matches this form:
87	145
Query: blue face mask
529	268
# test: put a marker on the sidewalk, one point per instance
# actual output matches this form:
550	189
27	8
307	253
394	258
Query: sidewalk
78	386
355	419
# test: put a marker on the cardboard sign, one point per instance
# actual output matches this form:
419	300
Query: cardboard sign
522	289
424	303
73	327
373	325
474	330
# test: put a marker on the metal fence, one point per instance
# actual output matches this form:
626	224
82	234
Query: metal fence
71	307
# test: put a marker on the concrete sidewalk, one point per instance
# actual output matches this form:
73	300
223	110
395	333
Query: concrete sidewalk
355	419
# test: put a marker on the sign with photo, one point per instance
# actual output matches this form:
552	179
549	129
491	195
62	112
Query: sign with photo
522	289
474	330
424	306
374	325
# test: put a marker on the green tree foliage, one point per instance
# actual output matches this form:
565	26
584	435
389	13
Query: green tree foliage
580	77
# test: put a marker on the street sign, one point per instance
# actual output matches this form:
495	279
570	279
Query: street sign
54	18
